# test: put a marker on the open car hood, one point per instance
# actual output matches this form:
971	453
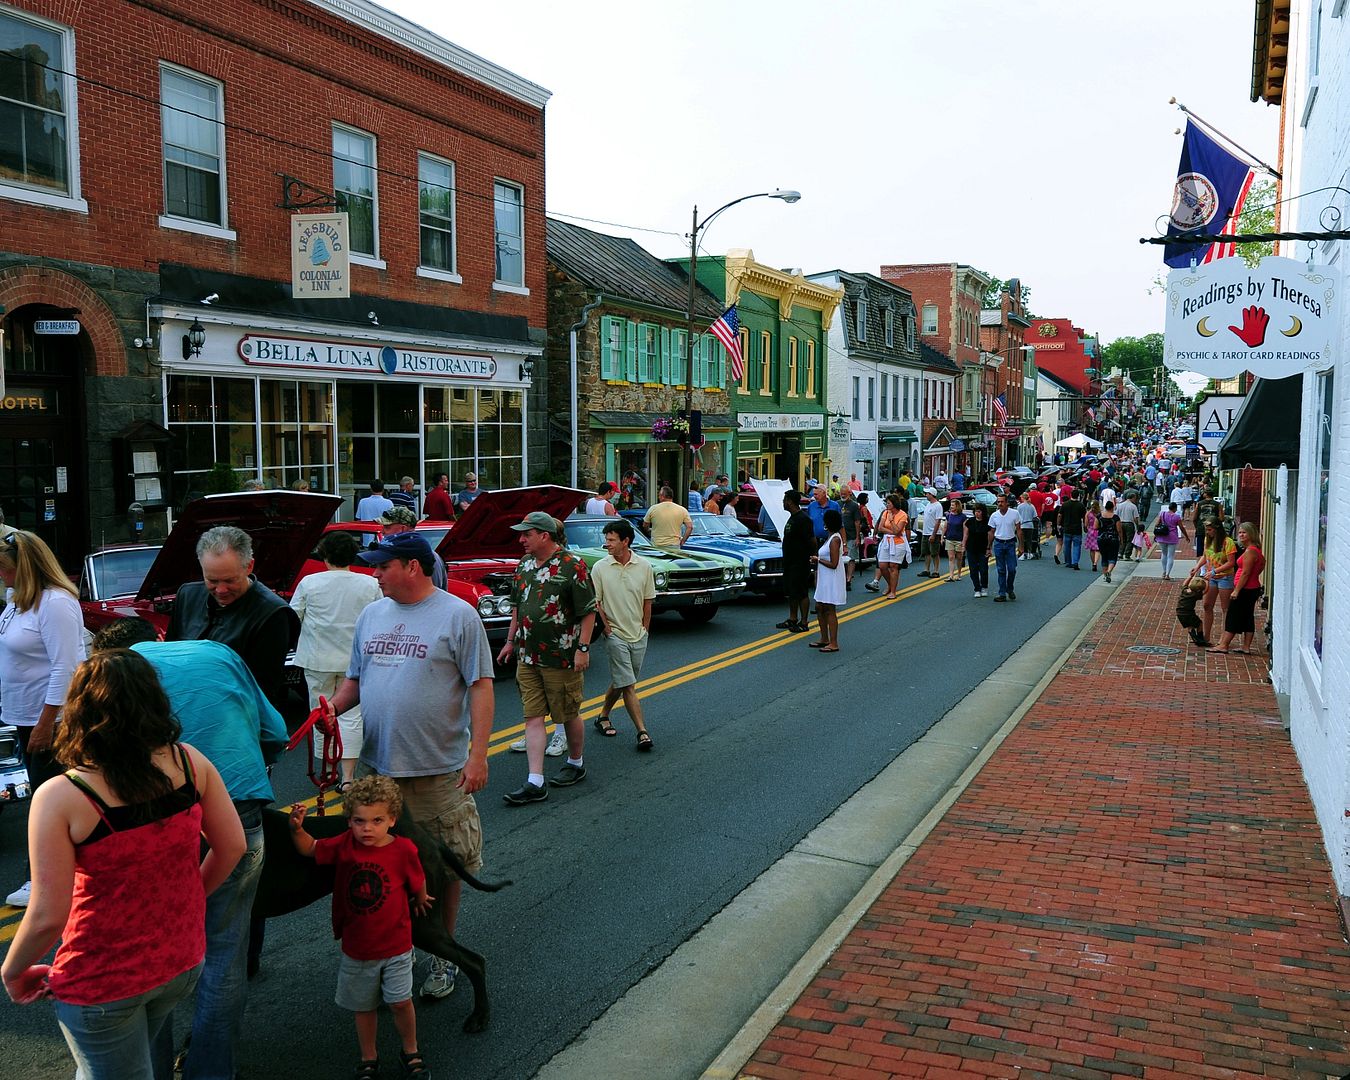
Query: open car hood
284	525
484	531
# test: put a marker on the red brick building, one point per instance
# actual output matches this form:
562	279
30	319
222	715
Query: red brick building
1002	335
948	297
1066	352
154	158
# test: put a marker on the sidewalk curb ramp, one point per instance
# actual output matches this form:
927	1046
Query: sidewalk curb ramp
721	992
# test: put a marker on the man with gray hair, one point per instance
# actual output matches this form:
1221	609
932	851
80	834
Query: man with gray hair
232	607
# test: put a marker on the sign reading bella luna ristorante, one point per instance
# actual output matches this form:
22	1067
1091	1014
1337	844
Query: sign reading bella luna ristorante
266	350
1276	319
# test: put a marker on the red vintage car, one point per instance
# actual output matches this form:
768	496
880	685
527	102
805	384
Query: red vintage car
480	549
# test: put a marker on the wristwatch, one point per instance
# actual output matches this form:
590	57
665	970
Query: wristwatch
583	648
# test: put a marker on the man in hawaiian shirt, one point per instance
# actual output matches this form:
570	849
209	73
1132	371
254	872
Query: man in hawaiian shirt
552	618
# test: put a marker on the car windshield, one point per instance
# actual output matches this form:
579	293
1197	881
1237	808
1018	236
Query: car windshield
433	536
717	525
118	573
591	534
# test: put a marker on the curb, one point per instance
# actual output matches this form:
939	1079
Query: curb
728	1064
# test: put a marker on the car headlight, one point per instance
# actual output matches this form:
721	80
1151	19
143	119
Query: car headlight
740	573
503	605
758	568
660	581
487	605
728	574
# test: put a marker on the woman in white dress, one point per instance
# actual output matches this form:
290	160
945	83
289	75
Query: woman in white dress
830	584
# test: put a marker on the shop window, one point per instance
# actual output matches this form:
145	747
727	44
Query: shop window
1326	401
436	212
296	433
508	209
355	186
39	144
213	422
192	122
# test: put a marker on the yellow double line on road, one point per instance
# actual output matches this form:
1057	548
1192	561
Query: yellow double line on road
501	740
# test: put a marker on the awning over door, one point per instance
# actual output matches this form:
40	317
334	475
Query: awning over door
1265	432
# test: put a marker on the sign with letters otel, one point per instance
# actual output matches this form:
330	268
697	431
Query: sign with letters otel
1274	320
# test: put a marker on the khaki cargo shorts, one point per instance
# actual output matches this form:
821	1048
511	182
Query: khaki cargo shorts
545	691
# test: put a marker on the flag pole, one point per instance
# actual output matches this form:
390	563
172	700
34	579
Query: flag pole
1251	158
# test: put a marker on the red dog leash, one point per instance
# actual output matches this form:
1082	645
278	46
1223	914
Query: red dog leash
329	771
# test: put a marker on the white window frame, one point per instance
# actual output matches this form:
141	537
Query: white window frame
186	224
520	288
884	390
871	397
857	396
924	315
361	258
71	199
860	319
436	273
888	323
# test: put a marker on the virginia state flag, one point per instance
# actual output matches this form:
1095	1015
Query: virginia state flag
1211	186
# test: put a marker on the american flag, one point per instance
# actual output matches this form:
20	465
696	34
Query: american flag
1001	409
727	330
1091	415
1224	250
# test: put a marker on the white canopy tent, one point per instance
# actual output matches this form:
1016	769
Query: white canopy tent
1079	442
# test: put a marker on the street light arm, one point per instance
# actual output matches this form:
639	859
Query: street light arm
702	226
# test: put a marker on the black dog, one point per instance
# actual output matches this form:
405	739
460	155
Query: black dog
290	881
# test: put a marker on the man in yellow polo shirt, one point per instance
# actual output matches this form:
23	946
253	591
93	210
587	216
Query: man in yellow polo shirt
670	522
624	590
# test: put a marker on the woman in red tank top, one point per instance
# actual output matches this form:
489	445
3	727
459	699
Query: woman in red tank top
116	870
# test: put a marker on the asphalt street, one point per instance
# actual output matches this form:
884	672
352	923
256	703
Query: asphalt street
758	739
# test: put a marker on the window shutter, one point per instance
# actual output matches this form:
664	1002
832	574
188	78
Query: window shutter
719	357
630	367
667	361
608	361
701	360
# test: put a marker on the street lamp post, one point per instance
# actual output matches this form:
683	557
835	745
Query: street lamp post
699	227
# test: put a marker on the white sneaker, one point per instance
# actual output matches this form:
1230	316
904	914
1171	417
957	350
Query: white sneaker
557	745
20	896
440	980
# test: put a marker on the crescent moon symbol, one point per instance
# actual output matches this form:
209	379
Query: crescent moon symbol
1203	330
1294	327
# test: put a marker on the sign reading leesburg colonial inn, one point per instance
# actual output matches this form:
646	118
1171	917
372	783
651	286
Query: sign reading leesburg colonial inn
265	350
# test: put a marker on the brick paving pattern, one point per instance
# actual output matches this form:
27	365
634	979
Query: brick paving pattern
1134	885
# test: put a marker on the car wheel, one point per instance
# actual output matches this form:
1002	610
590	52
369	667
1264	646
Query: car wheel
698	615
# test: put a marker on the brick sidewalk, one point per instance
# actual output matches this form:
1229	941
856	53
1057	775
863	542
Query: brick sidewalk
1134	885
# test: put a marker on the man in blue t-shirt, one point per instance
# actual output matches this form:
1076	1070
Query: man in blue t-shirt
820	502
958	481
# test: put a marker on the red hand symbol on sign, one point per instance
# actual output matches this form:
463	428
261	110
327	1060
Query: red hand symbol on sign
1254	323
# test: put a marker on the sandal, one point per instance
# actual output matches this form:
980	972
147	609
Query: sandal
786	625
1221	652
342	787
816	644
414	1067
644	741
830	648
367	1070
603	726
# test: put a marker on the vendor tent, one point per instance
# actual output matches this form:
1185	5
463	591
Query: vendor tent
1079	442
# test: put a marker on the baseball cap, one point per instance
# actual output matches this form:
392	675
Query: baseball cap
537	519
407	545
399	515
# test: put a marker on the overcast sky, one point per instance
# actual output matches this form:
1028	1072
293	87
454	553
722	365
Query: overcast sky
1030	138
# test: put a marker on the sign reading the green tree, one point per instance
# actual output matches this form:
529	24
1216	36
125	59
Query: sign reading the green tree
319	266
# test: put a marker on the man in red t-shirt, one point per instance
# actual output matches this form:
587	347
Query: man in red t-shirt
376	874
437	505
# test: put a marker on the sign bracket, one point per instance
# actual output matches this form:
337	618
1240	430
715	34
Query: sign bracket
298	195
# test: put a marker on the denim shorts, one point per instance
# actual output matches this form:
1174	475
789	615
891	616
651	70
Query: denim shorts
1223	582
361	984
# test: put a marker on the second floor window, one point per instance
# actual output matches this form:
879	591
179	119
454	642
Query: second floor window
744	384
766	372
871	399
860	319
810	368
37	134
895	398
792	367
888	321
436	212
508	205
194	146
884	380
354	185
857	394
930	319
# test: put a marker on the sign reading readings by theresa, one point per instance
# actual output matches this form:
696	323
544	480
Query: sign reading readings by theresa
1274	320
319	265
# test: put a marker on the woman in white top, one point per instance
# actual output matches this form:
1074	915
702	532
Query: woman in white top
830	583
729	504
602	502
328	604
41	644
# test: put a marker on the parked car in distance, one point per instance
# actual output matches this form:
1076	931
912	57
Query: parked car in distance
694	583
718	534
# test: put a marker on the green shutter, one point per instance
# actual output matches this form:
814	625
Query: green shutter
609	365
630	367
719	357
667	362
696	361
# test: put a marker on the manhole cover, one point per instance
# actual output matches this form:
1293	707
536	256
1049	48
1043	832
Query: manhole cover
1154	650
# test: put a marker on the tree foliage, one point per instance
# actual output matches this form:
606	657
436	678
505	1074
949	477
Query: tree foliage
997	287
1258	215
1141	358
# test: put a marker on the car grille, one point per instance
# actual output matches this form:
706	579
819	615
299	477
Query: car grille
693	579
772	566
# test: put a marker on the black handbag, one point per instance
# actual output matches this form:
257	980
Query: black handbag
1160	528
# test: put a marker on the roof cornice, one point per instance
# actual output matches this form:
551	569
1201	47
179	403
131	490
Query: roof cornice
380	21
788	289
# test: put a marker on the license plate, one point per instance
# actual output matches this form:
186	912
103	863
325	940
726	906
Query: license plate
702	600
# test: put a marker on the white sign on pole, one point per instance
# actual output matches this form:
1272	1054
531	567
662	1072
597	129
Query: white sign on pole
319	263
1274	320
1213	417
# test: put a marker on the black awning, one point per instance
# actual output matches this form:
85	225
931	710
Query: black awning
1265	432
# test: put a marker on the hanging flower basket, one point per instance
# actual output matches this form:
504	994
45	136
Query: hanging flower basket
670	429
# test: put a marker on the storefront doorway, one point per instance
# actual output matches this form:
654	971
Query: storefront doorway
42	430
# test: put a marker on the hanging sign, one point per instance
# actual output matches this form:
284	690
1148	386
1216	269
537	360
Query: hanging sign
56	326
1214	416
1274	320
319	263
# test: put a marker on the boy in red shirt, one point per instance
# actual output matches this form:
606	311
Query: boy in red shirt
376	874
